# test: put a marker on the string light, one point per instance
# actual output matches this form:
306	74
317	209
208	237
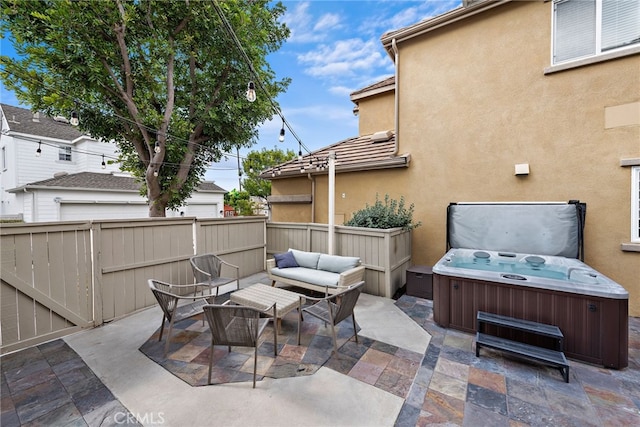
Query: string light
251	97
156	148
281	137
104	165
39	150
75	121
251	92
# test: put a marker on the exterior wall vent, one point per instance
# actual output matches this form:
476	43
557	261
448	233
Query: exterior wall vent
61	119
382	136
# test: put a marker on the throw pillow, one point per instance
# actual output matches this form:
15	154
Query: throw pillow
306	259
336	263
285	260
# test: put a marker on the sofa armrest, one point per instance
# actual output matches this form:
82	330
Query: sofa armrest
351	276
271	263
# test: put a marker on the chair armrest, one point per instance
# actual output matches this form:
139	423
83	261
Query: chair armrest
271	263
201	271
316	299
231	265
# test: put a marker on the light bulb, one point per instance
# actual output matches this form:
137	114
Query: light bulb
300	155
104	165
39	150
156	148
75	121
281	137
251	92
155	172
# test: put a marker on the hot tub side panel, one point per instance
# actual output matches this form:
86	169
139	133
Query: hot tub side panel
595	328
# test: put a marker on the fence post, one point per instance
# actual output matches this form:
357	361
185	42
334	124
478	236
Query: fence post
96	261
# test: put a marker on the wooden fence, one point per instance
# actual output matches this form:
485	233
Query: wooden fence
58	278
386	254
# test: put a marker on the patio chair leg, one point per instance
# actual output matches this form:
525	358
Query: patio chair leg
335	340
355	331
255	365
166	346
299	321
275	343
161	329
210	363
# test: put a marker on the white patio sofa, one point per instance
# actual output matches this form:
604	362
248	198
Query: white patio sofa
316	271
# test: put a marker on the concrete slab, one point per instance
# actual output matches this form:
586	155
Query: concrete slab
155	396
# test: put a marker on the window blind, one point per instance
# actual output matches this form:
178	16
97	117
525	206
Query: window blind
575	29
620	23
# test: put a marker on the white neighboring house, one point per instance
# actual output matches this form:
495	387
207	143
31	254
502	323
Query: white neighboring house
66	180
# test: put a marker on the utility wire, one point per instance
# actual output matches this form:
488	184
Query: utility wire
237	43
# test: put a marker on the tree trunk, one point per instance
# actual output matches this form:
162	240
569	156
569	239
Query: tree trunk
157	209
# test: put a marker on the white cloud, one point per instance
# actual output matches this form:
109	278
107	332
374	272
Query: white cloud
343	58
329	21
341	90
307	28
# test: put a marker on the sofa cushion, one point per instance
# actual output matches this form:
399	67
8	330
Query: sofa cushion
285	260
306	259
337	264
308	275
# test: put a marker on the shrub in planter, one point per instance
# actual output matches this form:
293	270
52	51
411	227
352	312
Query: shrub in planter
390	214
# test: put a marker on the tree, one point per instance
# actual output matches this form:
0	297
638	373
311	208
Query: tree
241	202
258	161
162	79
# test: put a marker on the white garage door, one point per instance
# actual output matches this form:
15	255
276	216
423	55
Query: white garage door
86	211
203	211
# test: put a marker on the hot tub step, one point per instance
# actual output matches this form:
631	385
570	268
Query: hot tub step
521	325
545	355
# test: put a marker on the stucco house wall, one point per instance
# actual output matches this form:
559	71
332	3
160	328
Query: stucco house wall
376	113
477	97
476	101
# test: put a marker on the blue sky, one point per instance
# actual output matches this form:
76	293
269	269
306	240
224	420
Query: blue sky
334	49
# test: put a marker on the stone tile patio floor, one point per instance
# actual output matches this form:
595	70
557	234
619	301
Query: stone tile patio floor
51	385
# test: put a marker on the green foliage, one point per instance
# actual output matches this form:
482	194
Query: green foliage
141	71
258	161
241	202
391	214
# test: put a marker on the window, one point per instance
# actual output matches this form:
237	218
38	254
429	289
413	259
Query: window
635	204
64	154
583	28
4	158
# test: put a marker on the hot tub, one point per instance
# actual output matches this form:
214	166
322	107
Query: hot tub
590	309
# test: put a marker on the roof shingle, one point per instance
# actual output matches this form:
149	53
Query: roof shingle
103	182
21	120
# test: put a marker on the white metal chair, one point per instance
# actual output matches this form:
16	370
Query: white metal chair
168	297
238	325
207	269
334	309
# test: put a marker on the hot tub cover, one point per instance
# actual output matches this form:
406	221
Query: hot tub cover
545	228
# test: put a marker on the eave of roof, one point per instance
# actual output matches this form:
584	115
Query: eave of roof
99	182
21	121
454	15
352	155
382	86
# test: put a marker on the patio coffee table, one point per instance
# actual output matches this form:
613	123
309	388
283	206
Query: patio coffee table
262	297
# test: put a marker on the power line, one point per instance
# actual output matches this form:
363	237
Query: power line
227	26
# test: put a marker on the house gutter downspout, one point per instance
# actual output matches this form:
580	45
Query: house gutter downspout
396	119
313	196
